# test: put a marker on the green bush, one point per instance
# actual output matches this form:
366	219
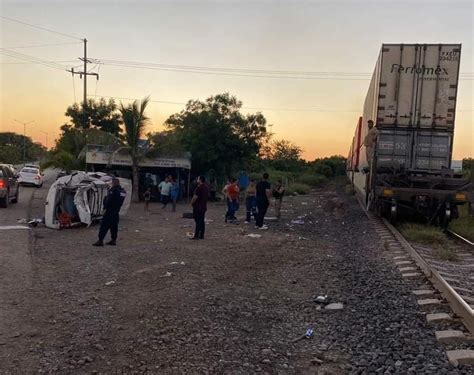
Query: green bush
298	188
323	169
313	180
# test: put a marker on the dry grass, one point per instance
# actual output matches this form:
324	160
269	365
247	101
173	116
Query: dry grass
431	236
464	225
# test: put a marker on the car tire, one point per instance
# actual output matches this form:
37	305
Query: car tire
15	198
4	202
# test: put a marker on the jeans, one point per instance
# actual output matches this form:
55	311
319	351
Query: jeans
232	206
251	206
109	222
278	202
200	223
262	207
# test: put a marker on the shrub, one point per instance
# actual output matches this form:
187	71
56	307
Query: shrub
298	188
313	180
323	169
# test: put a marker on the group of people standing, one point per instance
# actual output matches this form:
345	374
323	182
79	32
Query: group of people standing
257	200
169	192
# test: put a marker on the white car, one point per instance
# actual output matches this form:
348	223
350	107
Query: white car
30	176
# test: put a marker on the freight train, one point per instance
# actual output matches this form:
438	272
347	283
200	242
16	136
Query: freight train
412	103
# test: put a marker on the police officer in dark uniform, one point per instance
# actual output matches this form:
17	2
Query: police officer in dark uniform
112	204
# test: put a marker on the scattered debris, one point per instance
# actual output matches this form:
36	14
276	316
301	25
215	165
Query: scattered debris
302	238
254	235
322	300
181	263
308	334
334	306
137	230
304	203
189	234
22	221
300	222
35	222
109	283
168	274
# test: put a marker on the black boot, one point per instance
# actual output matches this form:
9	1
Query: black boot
98	243
111	242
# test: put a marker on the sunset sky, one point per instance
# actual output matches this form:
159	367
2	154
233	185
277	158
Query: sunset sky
317	36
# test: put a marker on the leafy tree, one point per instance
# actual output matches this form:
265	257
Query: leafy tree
68	153
100	114
218	136
284	155
166	143
11	148
135	121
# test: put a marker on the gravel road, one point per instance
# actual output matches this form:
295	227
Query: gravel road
159	303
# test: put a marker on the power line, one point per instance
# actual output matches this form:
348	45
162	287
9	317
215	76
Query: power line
32	59
236	74
256	73
45	45
236	70
40	27
252	108
24	63
255	108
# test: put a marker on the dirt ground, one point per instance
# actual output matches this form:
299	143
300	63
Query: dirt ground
160	303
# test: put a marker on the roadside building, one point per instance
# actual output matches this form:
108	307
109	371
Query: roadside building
100	158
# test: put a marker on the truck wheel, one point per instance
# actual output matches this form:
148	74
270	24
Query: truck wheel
393	212
446	218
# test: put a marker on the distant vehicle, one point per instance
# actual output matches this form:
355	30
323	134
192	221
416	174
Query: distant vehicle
30	176
36	166
412	102
9	187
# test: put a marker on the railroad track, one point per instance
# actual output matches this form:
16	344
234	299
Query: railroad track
454	283
460	238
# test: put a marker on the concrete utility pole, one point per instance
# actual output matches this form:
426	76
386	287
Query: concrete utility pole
24	137
85	74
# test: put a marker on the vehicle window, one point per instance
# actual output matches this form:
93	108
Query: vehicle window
30	170
1	172
8	172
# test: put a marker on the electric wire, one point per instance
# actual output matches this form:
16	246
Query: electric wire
40	28
240	72
32	59
44	45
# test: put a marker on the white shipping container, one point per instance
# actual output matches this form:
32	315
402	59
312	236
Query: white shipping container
414	85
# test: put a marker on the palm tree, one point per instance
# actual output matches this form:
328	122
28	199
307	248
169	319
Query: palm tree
135	121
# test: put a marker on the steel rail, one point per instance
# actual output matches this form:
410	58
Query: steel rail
457	303
459	237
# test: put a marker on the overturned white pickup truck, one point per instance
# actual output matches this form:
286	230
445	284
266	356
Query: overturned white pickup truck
77	199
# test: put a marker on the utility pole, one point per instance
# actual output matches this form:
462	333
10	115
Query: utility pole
46	138
85	74
24	137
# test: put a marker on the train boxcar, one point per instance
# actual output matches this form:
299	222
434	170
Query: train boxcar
412	102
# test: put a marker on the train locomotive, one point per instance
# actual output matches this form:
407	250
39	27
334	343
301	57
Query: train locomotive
412	103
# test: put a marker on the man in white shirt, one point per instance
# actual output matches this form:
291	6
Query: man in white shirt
165	191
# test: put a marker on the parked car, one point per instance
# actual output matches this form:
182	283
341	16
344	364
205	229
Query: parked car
30	176
9	186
